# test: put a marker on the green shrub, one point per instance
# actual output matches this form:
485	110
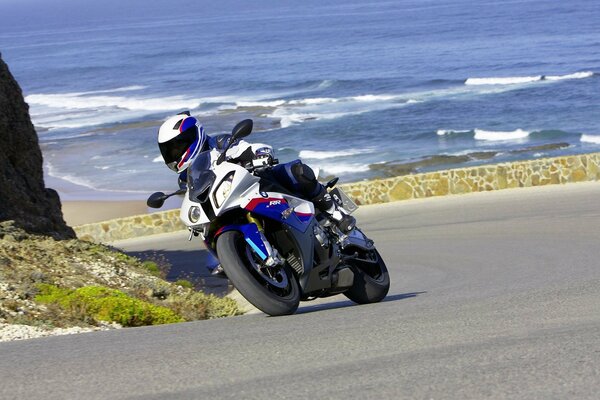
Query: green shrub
103	304
152	267
184	283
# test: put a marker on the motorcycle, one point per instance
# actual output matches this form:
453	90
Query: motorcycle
273	246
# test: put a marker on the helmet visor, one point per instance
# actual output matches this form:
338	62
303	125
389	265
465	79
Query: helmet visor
174	149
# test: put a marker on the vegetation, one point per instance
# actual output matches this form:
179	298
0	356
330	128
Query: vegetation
104	304
50	283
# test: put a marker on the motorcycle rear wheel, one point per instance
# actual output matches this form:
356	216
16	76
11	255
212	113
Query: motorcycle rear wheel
371	280
272	300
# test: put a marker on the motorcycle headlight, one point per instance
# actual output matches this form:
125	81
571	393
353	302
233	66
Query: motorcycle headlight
194	214
223	190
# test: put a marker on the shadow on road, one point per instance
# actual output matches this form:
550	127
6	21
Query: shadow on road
187	264
348	303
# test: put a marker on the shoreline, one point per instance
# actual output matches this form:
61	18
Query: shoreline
82	205
70	191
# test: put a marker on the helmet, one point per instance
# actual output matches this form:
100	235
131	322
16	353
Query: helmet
180	138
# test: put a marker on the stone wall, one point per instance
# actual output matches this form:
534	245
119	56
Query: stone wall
546	171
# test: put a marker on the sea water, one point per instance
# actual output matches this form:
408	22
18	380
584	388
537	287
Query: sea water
358	89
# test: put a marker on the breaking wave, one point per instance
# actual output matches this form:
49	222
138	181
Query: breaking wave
512	80
503	81
77	101
576	75
96	108
341	168
447	132
594	139
132	103
500	135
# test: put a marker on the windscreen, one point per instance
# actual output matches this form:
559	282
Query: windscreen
200	177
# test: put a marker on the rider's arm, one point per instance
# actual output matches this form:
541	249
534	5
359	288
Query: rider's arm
251	155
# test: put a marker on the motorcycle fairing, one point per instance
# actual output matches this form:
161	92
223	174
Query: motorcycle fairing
276	207
313	277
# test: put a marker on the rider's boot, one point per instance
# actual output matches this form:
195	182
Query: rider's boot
325	203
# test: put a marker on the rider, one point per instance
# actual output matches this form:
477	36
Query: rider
181	138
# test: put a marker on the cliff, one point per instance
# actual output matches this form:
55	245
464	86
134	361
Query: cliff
23	195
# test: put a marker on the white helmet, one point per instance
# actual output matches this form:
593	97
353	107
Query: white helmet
180	138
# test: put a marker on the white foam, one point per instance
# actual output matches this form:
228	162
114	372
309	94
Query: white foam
288	117
313	101
270	104
595	139
343	169
291	119
444	132
157	159
300	110
576	75
321	155
511	80
85	109
74	101
374	97
499	135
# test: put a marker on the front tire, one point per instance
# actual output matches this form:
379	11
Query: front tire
272	300
371	279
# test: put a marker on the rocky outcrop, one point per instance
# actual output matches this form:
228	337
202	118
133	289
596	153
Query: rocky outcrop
23	195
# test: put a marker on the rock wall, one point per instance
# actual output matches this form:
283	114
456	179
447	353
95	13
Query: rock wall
539	172
23	196
545	171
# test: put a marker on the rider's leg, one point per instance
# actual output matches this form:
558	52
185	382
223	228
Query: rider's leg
325	203
300	178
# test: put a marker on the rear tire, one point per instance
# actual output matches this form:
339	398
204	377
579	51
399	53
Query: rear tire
231	250
371	281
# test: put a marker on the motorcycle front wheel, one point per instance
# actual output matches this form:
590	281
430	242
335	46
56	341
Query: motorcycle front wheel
273	290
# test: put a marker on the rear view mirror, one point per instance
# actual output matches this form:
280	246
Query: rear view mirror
242	129
156	200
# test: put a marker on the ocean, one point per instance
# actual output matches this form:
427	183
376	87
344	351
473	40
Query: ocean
358	89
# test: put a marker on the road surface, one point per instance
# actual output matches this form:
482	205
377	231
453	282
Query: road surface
494	295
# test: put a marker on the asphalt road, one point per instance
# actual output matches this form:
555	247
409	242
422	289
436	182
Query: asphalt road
494	295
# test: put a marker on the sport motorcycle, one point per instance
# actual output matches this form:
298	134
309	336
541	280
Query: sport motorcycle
272	245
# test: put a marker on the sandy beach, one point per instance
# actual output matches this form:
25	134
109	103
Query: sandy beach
87	211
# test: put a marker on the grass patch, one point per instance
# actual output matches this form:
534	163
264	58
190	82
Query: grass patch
103	304
184	283
151	267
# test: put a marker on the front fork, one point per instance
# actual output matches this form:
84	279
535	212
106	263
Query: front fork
254	236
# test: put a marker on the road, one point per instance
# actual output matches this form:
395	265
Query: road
494	295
